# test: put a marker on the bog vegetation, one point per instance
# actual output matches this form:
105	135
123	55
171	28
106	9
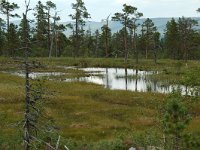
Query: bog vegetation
47	113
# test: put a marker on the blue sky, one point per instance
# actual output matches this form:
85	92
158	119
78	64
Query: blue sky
99	9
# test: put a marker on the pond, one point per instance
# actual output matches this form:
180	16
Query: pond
116	79
127	79
34	75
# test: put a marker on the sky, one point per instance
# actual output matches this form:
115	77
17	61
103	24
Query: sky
100	9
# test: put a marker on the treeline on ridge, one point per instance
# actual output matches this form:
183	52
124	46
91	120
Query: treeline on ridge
134	40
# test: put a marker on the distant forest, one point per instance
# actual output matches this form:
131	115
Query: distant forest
181	38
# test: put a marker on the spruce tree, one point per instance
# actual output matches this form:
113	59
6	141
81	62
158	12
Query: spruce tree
41	26
172	39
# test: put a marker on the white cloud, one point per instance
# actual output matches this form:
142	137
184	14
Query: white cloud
100	9
124	1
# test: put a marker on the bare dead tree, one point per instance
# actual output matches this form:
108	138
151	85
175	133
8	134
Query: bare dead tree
33	95
27	83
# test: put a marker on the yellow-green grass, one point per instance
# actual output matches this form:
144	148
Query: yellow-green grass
146	64
171	70
85	110
89	106
81	106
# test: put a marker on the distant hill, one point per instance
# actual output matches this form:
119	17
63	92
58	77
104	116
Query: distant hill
160	23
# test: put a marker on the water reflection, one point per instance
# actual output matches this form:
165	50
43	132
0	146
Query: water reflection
128	79
119	78
34	75
136	82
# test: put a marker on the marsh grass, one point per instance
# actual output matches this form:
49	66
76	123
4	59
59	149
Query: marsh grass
81	109
86	111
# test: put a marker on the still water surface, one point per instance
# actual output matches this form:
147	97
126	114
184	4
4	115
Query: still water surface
117	79
127	79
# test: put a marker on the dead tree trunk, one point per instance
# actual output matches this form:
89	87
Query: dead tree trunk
27	123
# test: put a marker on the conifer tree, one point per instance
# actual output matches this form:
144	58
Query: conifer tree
133	27
148	31
34	123
117	43
58	38
156	45
41	25
105	38
79	17
172	38
89	44
2	36
125	19
49	5
97	41
186	32
106	30
7	9
176	119
12	40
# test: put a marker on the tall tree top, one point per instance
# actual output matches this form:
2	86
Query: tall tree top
50	4
81	10
7	7
150	27
125	16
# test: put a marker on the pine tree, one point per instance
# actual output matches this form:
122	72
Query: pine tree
156	45
117	43
97	43
21	29
89	44
148	31
133	27
125	19
12	40
57	38
176	118
105	38
61	41
106	32
79	16
7	9
186	32
2	36
49	5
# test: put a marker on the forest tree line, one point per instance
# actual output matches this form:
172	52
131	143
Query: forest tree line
181	39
